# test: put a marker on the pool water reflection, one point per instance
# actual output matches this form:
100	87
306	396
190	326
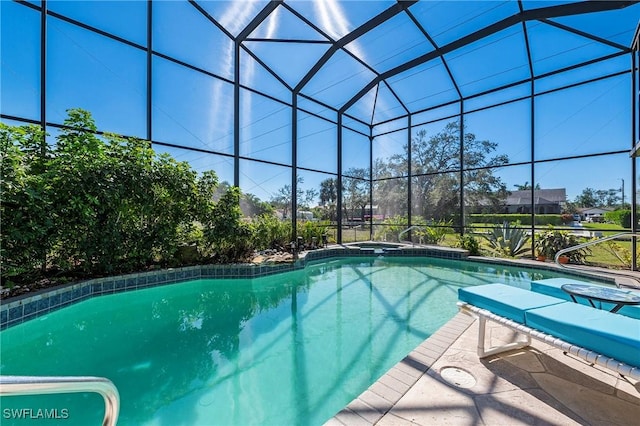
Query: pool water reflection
292	348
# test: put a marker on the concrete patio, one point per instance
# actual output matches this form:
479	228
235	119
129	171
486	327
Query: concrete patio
442	382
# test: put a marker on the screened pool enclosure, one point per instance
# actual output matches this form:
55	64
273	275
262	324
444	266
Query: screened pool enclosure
378	115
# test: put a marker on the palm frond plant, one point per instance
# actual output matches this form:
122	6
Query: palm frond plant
433	234
505	240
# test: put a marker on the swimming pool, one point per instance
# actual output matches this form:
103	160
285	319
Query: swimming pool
291	348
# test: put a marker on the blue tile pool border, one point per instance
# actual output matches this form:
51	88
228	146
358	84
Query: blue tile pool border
25	307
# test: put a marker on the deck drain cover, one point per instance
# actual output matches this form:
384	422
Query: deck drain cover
458	377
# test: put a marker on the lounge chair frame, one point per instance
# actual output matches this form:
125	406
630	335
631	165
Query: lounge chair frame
591	357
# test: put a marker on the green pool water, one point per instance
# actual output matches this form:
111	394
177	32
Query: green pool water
286	349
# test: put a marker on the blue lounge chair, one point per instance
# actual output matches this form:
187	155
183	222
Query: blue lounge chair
599	337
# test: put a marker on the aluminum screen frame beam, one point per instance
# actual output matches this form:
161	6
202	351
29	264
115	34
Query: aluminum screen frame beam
255	22
353	35
528	15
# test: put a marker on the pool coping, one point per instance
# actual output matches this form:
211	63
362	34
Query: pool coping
25	307
374	403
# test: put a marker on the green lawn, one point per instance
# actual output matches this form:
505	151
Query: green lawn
350	234
601	254
606	228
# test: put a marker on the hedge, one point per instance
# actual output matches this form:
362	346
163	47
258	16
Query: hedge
620	217
524	219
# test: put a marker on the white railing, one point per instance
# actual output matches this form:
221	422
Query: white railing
37	385
407	230
594	242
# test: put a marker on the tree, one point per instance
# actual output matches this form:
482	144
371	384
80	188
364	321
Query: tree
587	198
611	197
526	186
435	193
304	198
598	198
329	197
282	200
252	206
355	192
570	207
118	204
389	194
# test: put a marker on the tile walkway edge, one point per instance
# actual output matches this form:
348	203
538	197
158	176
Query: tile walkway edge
371	405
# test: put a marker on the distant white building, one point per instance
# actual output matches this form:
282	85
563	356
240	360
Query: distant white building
593	214
305	215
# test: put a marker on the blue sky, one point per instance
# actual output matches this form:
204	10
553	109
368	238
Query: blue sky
193	109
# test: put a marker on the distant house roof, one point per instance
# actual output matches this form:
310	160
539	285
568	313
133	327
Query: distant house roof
542	196
594	210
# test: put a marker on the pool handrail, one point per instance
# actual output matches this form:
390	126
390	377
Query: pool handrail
38	385
594	242
407	230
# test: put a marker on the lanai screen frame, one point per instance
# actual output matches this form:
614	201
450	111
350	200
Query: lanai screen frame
341	111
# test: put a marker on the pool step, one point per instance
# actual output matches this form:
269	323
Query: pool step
631	283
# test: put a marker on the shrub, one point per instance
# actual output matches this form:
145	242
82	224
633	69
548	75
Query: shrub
227	237
620	252
93	205
25	208
469	243
117	204
310	230
390	228
427	232
434	233
550	242
269	232
566	218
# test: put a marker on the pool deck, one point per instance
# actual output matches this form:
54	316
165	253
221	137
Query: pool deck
442	382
